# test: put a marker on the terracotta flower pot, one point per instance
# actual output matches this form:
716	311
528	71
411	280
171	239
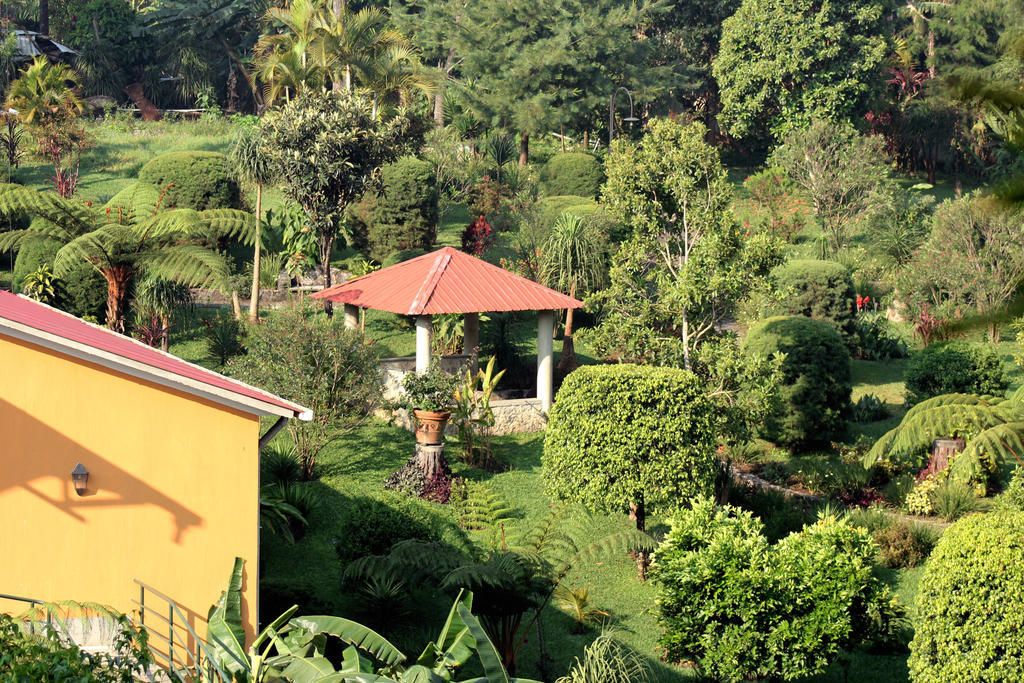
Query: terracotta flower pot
430	425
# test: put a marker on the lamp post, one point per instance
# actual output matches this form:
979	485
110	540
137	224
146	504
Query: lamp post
611	113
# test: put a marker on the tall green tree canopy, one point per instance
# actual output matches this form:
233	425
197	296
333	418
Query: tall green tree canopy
533	65
781	65
329	150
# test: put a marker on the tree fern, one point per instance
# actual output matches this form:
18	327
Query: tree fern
131	234
992	426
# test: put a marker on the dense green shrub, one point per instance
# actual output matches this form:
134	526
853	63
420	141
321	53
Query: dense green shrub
48	657
815	395
193	180
970	604
400	256
630	435
822	290
954	368
1013	495
404	215
84	291
572	173
741	608
370	526
901	546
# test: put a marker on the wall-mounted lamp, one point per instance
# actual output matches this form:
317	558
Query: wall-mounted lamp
80	478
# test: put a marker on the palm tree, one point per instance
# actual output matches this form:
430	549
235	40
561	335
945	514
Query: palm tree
397	70
131	235
252	165
350	42
573	261
159	298
286	73
282	58
44	91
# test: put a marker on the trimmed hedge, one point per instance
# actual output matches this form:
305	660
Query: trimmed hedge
404	215
399	256
742	609
970	604
954	368
822	290
816	380
621	434
200	180
572	173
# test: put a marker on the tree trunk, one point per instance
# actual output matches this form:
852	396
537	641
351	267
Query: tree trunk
254	298
567	362
586	139
643	559
326	245
118	279
148	110
44	17
524	149
165	333
236	305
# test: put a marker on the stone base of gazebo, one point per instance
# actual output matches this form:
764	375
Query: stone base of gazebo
511	416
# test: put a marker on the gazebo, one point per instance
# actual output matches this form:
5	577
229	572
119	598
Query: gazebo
451	281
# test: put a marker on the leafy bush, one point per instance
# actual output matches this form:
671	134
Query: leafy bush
822	290
400	256
815	392
370	526
778	207
955	367
83	290
741	608
404	214
433	390
901	546
874	339
193	180
50	657
572	173
1013	495
301	356
780	514
624	437
970	603
869	408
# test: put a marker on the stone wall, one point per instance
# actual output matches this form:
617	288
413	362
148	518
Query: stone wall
395	369
512	416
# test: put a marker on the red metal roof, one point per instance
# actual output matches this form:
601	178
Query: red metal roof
43	319
446	281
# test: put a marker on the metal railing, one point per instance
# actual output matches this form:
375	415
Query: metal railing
32	604
187	657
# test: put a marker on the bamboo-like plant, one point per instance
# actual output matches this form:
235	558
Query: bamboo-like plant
131	235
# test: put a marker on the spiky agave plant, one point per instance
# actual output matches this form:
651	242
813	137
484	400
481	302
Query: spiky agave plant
993	428
606	660
132	234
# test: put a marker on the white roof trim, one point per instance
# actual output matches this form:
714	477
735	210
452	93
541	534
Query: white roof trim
149	373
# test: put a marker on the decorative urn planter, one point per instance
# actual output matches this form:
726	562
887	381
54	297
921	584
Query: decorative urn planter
430	425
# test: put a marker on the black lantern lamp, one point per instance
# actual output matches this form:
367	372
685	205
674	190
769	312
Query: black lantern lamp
80	478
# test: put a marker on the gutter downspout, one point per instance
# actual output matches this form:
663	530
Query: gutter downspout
272	432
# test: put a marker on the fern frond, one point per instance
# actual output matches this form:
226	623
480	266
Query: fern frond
11	240
230	224
999	445
72	218
916	432
189	264
482	509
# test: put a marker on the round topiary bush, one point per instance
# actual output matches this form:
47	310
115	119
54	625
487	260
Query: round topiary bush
630	438
954	368
822	290
404	215
970	603
815	394
84	291
572	173
193	180
33	254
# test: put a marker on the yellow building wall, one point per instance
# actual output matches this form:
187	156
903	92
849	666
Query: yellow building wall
173	493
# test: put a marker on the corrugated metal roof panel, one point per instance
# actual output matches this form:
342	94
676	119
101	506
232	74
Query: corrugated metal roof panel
446	281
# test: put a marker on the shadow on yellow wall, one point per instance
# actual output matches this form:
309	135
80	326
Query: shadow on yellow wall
32	451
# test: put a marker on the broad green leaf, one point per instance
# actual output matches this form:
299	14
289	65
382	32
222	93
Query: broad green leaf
489	657
355	634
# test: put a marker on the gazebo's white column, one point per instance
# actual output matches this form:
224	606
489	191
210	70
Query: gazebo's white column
351	317
424	334
471	333
545	353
